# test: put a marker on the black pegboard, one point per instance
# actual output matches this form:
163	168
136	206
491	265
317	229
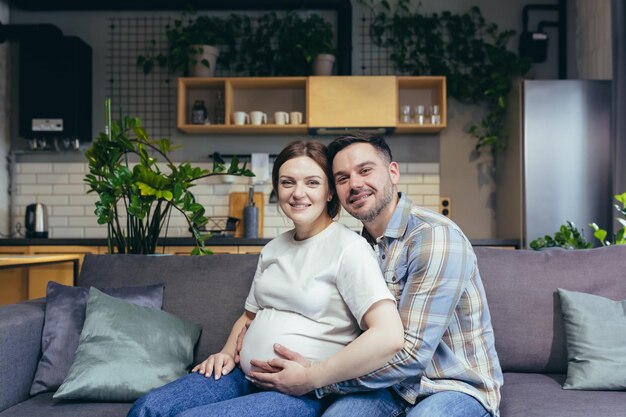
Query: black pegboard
372	59
150	97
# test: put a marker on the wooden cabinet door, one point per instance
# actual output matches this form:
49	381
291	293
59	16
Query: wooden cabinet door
38	276
14	281
355	101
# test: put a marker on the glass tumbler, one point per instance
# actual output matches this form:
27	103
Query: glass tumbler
405	114
419	114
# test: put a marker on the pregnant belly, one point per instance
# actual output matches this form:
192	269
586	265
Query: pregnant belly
291	330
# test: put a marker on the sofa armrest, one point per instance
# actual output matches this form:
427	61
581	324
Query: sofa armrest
20	348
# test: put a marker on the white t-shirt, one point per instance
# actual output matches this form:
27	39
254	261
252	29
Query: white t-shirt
310	296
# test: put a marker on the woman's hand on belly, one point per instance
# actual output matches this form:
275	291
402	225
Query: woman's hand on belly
219	364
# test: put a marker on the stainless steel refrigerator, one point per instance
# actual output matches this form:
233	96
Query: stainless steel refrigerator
557	166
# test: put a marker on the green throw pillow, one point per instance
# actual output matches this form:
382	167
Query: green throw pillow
595	330
126	350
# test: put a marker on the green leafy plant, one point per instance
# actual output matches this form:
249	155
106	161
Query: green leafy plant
568	237
272	45
620	237
184	36
471	52
136	201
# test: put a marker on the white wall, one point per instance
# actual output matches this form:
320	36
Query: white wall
4	130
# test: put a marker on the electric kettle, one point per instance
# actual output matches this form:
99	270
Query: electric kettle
36	221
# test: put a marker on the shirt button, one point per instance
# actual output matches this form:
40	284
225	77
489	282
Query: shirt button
383	256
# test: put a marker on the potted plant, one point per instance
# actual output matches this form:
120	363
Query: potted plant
283	45
135	202
193	43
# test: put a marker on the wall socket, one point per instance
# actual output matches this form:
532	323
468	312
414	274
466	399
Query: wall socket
445	206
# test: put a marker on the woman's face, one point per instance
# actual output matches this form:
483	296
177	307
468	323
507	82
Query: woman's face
303	193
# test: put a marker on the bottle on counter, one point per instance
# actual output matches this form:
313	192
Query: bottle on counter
198	113
219	109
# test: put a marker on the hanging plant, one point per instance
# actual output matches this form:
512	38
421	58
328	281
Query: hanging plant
469	51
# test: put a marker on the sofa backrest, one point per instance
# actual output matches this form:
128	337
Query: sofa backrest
525	309
208	290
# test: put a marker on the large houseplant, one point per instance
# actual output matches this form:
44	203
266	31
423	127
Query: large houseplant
136	201
470	51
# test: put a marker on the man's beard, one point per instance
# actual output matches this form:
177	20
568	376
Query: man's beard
385	198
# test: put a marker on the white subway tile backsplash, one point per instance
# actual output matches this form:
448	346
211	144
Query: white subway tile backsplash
423	189
26	179
74	189
34	167
69	167
34	190
411	179
57	221
431	179
430	200
423	168
52	179
67	232
71	209
89	221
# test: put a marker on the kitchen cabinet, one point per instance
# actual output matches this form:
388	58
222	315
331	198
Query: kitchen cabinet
338	102
38	276
325	102
13	282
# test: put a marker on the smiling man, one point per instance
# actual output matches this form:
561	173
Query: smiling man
448	365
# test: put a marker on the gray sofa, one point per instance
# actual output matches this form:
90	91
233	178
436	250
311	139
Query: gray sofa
211	290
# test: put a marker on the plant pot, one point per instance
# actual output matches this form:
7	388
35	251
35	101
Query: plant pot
323	64
205	52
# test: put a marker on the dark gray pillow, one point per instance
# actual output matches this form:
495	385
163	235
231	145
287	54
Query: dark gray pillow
595	331
126	350
64	319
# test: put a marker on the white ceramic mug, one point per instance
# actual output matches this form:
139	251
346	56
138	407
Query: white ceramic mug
295	117
281	118
240	118
258	118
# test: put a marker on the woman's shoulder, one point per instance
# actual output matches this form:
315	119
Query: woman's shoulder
279	241
351	239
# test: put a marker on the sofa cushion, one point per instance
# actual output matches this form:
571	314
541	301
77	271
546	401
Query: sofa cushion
44	405
595	329
65	316
542	395
525	308
127	350
210	290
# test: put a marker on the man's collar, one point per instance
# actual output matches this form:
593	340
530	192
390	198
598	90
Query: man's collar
397	224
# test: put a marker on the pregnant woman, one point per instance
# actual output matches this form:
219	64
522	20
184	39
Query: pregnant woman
317	290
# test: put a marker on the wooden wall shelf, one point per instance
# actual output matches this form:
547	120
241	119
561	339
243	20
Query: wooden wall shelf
323	102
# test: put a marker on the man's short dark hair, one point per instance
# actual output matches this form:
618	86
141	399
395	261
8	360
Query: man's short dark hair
342	142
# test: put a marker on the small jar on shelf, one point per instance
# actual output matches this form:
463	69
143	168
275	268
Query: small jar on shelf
199	113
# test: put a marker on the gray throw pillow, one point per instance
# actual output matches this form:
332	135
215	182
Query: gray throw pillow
595	332
64	319
126	350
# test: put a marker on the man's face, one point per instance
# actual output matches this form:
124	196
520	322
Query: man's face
365	181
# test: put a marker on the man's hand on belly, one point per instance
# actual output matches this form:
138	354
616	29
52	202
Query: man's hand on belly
288	374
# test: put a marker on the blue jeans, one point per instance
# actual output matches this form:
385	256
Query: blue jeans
231	396
385	403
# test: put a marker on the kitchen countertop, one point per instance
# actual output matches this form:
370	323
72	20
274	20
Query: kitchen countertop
187	241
